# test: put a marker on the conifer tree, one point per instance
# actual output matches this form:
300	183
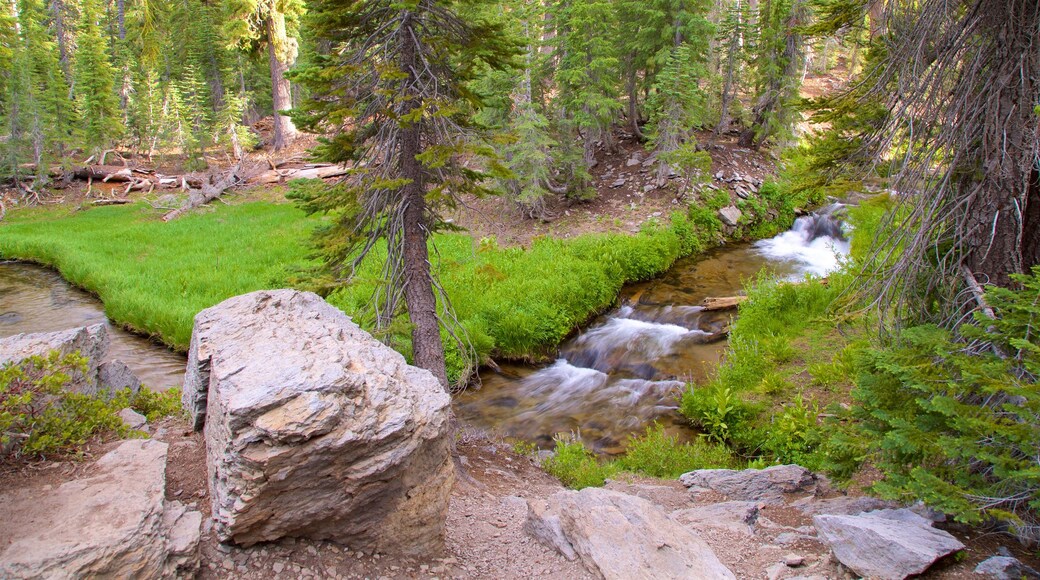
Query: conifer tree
272	23
778	66
587	69
96	98
392	89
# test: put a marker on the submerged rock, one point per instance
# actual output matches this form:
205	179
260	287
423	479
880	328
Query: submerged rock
113	524
621	536
90	341
314	429
770	485
885	544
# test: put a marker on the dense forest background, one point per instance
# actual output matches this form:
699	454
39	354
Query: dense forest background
196	81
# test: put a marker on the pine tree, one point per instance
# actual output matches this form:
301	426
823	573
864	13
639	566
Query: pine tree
587	69
276	23
96	98
778	66
392	89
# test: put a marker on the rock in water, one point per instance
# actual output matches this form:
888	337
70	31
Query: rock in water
114	524
885	544
314	429
620	536
90	341
769	485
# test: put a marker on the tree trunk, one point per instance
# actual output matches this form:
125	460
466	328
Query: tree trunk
427	349
280	53
731	65
633	101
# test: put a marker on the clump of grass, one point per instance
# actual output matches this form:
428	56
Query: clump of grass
575	466
658	454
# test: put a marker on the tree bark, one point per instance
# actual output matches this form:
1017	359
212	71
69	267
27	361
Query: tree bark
280	53
427	349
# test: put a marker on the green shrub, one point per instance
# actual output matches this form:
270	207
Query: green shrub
716	409
957	429
794	435
575	466
39	417
657	454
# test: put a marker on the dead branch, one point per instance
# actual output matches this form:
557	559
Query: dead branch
723	303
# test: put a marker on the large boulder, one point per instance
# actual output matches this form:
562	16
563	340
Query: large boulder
314	429
115	375
1005	568
90	341
621	536
772	485
885	544
113	524
735	516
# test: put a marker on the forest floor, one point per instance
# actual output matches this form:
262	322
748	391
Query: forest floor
484	531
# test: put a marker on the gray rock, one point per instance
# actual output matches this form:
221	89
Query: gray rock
736	516
316	430
720	175
115	376
730	215
1005	568
885	544
770	485
741	192
843	506
133	419
114	524
619	182
634	160
90	341
620	536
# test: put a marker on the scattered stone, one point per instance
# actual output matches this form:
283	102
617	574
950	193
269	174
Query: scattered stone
776	571
115	376
1006	568
885	544
730	215
132	419
788	538
736	516
793	560
648	188
113	524
634	160
741	192
90	341
619	182
621	536
720	176
314	429
770	485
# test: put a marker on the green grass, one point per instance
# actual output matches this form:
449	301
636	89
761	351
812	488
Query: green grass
513	302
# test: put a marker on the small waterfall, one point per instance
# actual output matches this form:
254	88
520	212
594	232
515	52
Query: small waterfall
815	245
625	343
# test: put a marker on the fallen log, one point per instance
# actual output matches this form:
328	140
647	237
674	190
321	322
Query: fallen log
282	175
723	303
104	173
210	191
102	202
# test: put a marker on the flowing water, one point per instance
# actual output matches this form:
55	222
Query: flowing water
621	373
628	368
35	299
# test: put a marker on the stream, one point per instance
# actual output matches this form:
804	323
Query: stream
621	373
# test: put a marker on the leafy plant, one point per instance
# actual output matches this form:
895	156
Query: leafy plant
39	417
575	466
718	410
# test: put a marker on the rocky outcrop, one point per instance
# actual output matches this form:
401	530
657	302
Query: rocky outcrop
621	536
736	516
730	216
90	341
1005	568
113	524
772	485
885	544
115	375
316	430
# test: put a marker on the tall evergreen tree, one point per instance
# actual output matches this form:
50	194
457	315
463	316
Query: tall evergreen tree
392	90
102	121
272	23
